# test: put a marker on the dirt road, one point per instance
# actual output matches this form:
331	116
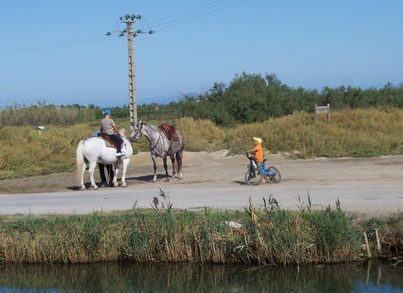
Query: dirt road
373	186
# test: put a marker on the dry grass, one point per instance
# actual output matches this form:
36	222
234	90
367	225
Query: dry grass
26	152
352	133
200	135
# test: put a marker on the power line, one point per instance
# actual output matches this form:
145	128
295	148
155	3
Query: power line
190	11
190	17
163	23
55	45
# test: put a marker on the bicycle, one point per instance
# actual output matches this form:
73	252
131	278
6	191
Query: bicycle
254	176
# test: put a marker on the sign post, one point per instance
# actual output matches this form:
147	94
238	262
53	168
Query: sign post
322	110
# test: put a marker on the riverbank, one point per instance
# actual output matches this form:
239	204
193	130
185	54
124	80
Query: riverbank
269	235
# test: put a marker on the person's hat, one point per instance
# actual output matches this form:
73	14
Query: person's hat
259	140
107	112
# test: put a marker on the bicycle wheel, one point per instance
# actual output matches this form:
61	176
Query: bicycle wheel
274	174
253	177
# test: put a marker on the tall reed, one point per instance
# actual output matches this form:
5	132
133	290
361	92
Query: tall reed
275	236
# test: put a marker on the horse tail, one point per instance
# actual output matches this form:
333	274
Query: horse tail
79	160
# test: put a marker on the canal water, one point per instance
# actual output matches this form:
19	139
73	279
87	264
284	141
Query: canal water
129	277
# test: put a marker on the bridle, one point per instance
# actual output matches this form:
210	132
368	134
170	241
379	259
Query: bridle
140	130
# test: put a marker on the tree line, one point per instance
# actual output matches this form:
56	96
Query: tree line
247	98
254	98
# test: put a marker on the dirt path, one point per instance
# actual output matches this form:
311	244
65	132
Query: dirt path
373	185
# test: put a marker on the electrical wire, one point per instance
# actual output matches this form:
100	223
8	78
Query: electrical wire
161	24
56	45
190	17
189	11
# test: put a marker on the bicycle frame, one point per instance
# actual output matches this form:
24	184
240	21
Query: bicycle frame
265	172
268	171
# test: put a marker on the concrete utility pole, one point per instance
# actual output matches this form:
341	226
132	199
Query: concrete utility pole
129	19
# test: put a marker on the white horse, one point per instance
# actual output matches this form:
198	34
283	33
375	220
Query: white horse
161	146
93	150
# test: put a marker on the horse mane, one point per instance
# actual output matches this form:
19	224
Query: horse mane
152	126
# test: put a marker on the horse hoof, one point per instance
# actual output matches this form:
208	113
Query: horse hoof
123	185
93	188
82	188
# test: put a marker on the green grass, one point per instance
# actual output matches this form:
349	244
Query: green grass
271	236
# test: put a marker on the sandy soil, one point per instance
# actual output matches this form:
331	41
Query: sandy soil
361	179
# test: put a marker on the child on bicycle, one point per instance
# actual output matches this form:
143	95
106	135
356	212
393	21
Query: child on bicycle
258	152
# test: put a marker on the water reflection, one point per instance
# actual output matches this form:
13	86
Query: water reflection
129	277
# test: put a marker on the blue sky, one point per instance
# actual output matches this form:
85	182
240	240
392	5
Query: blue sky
306	43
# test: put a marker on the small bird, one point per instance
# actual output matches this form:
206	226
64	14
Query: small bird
162	193
155	202
40	127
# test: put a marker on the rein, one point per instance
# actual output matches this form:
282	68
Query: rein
155	145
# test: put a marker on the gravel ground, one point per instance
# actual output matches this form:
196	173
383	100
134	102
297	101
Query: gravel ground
370	186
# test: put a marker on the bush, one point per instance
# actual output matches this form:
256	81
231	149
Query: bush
200	135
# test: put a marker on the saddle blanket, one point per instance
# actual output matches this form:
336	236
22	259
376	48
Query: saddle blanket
110	143
169	131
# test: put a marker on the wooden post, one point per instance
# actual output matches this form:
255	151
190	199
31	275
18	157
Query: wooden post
322	110
328	113
367	245
378	242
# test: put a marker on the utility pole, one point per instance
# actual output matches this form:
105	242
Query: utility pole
129	20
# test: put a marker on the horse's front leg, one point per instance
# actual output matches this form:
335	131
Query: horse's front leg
124	169
115	177
155	167
173	165
91	171
166	169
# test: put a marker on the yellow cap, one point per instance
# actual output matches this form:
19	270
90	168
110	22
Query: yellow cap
258	139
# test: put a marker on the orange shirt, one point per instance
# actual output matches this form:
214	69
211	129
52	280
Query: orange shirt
258	153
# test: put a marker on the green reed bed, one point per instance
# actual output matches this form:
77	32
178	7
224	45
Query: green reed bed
266	236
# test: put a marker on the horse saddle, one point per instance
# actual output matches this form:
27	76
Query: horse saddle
169	131
109	143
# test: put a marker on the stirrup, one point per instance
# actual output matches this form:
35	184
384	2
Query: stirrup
121	154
